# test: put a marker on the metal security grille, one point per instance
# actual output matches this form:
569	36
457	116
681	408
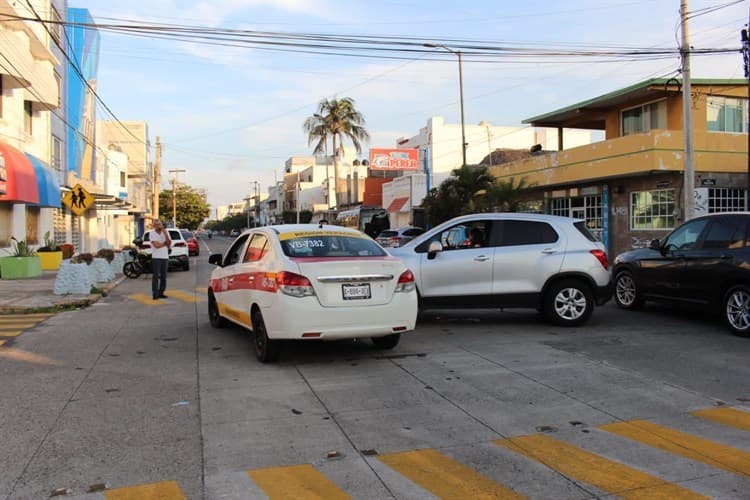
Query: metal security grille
652	209
75	235
560	206
60	216
726	200
593	215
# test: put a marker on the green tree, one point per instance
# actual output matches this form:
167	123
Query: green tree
504	196
192	207
462	193
338	120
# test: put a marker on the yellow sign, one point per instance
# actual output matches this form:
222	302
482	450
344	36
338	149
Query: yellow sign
78	200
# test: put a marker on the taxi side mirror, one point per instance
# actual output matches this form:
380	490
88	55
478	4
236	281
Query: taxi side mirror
215	259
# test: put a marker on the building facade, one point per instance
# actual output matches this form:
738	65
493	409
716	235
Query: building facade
30	93
629	187
439	143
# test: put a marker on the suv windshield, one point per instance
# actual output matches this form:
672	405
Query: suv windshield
329	245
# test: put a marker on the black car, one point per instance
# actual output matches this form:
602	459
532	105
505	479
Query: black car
705	262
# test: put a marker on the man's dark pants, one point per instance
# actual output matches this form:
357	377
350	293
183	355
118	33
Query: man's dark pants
159	277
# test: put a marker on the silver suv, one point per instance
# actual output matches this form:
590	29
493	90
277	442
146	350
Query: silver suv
505	260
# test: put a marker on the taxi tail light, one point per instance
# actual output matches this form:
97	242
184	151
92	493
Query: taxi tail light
294	284
179	244
405	282
601	256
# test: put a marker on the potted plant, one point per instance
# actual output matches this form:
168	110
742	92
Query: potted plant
50	254
23	263
67	249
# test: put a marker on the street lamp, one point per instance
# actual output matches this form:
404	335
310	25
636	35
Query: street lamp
460	89
174	195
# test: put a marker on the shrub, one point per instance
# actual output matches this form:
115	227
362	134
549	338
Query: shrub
49	244
88	258
21	248
67	249
106	253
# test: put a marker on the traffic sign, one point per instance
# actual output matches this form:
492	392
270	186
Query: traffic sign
78	200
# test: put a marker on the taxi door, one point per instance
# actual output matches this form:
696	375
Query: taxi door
224	282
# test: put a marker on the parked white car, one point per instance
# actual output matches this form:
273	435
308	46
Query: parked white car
178	254
506	260
313	282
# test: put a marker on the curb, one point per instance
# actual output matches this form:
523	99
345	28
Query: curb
64	303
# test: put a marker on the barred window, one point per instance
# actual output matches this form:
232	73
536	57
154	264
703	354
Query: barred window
593	215
726	200
560	206
652	209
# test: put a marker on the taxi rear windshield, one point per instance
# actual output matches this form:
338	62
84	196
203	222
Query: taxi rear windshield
331	246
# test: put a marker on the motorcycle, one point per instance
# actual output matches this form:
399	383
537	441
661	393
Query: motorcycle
139	263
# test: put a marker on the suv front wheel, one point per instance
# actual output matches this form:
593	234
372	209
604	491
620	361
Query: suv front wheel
568	303
737	310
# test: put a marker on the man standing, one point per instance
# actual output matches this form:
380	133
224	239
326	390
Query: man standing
160	244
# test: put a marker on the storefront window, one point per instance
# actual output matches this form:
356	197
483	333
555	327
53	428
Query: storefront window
726	200
652	209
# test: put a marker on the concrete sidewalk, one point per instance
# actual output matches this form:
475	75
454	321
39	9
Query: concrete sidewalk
35	295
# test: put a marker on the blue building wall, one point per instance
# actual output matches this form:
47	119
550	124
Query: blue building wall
81	105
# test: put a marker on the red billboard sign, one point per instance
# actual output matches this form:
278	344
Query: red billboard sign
394	159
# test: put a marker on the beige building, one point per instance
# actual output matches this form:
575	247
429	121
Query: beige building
29	93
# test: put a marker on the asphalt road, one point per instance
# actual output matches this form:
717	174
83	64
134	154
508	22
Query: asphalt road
126	399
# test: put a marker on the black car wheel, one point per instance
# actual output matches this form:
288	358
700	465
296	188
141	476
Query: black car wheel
568	303
266	350
216	319
737	310
626	291
386	342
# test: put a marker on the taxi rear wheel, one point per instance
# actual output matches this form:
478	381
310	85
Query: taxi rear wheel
217	321
266	350
386	342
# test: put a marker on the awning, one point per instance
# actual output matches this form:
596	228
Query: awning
47	183
26	179
397	204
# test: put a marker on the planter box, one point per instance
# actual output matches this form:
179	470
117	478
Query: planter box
14	268
73	278
50	260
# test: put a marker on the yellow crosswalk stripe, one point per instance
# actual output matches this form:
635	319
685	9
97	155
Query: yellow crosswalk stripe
202	289
607	475
10	333
185	296
2	342
445	477
686	445
726	415
36	316
146	299
166	490
296	481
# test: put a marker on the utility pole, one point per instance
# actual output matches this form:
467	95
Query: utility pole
156	181
174	195
298	200
687	117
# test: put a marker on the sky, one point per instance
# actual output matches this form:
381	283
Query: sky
230	116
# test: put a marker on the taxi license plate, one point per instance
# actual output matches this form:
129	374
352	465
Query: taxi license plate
356	292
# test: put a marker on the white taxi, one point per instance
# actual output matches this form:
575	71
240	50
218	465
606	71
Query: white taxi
308	281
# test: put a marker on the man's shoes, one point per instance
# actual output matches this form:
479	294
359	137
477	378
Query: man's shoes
162	296
155	297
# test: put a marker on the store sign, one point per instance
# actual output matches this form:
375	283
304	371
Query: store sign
708	182
3	176
394	159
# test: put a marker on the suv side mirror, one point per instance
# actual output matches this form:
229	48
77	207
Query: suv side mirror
655	245
433	249
215	258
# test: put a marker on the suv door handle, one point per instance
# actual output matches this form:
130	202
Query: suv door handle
549	250
481	258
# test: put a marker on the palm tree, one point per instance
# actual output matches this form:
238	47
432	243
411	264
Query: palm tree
337	119
504	195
